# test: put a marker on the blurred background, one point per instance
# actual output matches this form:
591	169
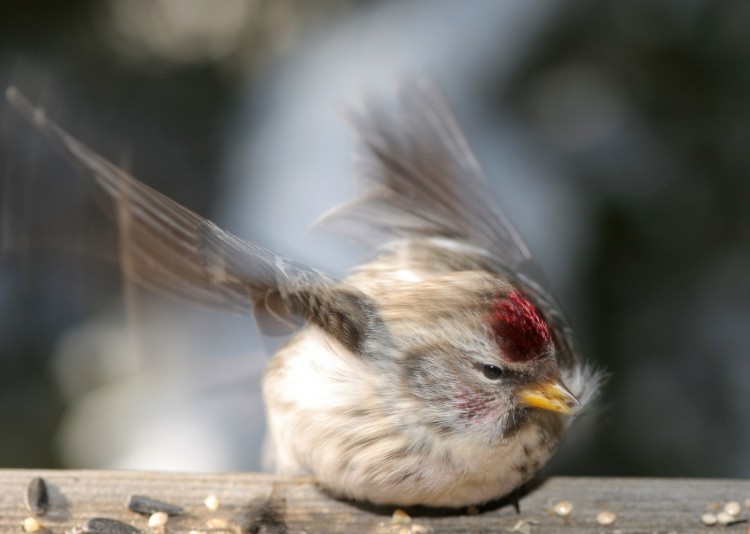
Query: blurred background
615	135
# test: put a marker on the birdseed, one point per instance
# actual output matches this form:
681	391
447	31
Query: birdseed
524	527
212	502
37	496
606	518
563	508
147	506
400	517
158	519
708	519
217	523
733	508
31	524
103	525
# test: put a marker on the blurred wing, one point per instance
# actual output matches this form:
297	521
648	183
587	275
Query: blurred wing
170	249
422	180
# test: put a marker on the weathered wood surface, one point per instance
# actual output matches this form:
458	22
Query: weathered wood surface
251	502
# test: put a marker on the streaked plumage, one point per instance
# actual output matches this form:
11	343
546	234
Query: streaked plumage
437	374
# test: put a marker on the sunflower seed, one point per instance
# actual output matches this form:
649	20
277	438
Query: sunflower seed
37	497
103	525
147	506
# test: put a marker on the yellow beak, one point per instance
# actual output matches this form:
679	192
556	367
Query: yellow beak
552	396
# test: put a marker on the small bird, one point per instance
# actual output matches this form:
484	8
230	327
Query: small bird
440	373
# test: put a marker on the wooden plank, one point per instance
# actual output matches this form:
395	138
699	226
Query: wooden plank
250	502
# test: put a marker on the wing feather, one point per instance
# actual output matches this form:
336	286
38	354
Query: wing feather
421	180
170	249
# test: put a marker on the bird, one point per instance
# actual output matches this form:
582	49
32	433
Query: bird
441	372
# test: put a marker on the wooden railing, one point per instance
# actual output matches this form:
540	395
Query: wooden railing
249	502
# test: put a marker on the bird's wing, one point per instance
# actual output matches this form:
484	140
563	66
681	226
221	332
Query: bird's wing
168	248
423	181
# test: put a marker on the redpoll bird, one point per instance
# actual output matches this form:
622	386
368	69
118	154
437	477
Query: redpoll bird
442	373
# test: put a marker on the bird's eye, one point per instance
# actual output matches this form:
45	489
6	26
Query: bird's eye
493	372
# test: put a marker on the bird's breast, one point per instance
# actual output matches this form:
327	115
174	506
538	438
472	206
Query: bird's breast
332	416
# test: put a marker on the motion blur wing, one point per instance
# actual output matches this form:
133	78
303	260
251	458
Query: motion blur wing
168	248
422	180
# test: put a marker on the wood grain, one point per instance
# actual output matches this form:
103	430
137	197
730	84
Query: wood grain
250	502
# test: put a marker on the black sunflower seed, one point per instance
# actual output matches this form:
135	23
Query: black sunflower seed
103	525
37	497
147	506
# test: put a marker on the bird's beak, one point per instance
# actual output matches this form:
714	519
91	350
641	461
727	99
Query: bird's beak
552	396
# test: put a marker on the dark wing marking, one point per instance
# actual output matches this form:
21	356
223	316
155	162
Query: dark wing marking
170	249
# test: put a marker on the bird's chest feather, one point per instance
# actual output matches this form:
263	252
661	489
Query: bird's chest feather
363	438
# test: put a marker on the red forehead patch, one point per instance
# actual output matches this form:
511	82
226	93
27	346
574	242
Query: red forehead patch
519	329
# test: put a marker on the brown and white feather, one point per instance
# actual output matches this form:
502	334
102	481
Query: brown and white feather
381	393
